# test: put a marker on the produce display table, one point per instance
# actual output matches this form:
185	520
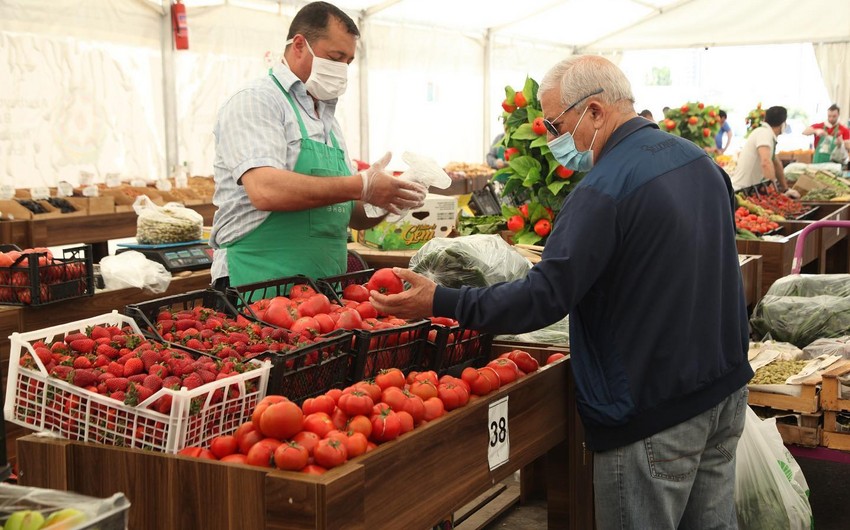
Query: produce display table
94	229
751	271
833	243
412	482
21	319
777	255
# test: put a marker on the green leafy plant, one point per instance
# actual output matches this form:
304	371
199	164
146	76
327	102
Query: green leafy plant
532	175
694	121
754	118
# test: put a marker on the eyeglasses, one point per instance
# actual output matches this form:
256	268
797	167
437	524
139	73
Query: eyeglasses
550	125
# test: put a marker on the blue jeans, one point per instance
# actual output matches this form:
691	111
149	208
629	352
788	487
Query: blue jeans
683	477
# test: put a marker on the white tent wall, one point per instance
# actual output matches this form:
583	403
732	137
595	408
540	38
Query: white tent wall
834	62
81	90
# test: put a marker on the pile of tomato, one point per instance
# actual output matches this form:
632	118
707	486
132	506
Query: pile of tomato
330	429
752	222
778	203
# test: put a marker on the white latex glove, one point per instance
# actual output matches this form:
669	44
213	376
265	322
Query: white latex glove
387	192
370	175
794	194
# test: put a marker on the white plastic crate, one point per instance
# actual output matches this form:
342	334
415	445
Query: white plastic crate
37	401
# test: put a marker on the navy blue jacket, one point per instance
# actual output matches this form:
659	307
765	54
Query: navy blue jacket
643	258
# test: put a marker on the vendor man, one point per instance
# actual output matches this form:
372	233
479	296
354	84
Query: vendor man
827	134
757	160
283	184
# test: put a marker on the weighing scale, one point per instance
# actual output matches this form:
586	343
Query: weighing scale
177	257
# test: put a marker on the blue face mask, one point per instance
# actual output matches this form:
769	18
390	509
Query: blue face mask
567	154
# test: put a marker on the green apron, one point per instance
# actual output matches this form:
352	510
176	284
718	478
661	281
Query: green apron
825	146
311	242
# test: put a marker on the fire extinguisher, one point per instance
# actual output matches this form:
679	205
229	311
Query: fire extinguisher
178	23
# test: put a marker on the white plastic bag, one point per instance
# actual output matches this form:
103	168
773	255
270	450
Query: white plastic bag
422	170
170	223
133	269
770	490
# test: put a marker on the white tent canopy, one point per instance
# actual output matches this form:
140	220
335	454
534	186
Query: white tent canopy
95	85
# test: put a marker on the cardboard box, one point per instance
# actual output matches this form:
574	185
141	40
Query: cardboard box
436	218
12	209
93	205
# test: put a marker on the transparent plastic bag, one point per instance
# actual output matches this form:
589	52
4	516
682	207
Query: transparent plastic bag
133	269
77	511
476	261
837	346
811	285
557	333
170	223
770	489
801	320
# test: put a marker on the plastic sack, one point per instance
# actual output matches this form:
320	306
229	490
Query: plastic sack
557	333
81	511
476	261
421	170
770	489
838	346
839	152
170	223
811	285
802	320
133	269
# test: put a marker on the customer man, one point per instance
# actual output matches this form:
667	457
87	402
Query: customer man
658	323
757	160
829	133
725	130
284	188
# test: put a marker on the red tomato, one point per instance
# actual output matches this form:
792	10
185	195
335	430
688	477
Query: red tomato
554	357
323	403
302	290
349	319
516	223
235	459
330	453
307	439
222	446
306	327
385	281
281	420
371	388
356	402
326	323
394	397
453	396
356	443
197	452
260	455
542	227
424	389
519	100
261	407
563	172
524	361
366	310
491	375
281	312
506	369
291	456
355	292
360	424
390	377
319	423
523	209
510	152
538	127
414	406
318	303
406	421
508	107
334	393
386	425
434	408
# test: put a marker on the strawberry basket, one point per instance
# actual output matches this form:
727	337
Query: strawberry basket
38	278
43	397
301	368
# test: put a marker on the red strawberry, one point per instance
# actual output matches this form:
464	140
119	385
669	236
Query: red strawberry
163	404
153	382
44	355
85	377
82	362
195	344
183	325
119	395
61	372
143	392
172	381
59	347
71	337
138	378
164	315
206	376
113	330
117	384
115	369
105	375
101	388
150	358
158	370
107	350
82	345
97	332
101	360
192	381
133	366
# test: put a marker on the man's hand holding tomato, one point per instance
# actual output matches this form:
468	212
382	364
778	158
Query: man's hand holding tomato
415	302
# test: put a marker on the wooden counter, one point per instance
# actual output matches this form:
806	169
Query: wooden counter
777	255
412	482
20	319
378	259
751	272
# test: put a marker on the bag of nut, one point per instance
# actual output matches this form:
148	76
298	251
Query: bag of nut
169	223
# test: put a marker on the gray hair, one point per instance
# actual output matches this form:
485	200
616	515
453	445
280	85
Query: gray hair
580	75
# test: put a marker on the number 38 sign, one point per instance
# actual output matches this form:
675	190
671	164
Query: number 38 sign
499	446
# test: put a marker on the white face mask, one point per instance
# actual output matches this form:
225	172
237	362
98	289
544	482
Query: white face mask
328	79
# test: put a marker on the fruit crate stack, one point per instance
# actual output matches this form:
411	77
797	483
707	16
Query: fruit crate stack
208	324
65	379
400	345
835	398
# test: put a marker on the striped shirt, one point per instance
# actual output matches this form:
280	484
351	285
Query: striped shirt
257	127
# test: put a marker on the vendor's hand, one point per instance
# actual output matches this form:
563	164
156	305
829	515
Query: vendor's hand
820	132
793	194
415	302
388	192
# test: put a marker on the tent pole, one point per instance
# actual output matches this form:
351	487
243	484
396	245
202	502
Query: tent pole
363	64
169	92
488	81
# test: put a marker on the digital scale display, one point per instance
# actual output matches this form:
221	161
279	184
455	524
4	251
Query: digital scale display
176	258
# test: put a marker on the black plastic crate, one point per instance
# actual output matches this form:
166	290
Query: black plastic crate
332	286
39	282
241	296
313	369
455	348
400	347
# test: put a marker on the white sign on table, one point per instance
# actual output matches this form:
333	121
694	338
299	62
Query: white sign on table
499	442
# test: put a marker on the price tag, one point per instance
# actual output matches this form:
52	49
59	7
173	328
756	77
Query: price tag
40	193
91	191
7	191
138	183
86	178
113	180
499	442
64	189
163	185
